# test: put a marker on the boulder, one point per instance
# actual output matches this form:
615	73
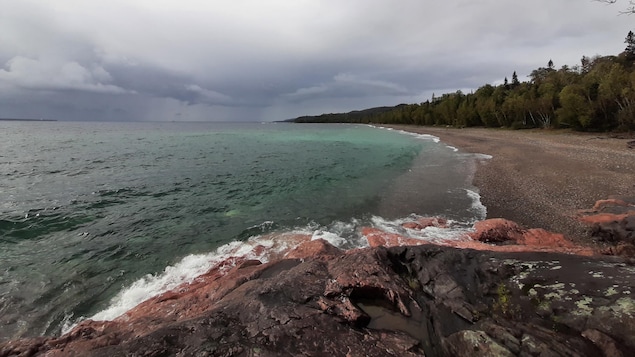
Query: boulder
425	222
612	221
497	230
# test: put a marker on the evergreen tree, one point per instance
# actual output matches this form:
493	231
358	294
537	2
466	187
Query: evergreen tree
515	81
630	45
506	83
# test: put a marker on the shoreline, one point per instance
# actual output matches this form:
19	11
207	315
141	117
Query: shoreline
501	290
542	179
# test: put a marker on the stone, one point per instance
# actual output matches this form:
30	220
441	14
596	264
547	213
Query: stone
496	230
612	221
434	300
425	222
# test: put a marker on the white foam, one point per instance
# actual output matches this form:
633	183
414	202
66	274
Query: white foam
420	136
454	230
344	235
151	285
483	156
332	238
185	271
477	206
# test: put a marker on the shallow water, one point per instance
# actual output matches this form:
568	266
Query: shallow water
95	217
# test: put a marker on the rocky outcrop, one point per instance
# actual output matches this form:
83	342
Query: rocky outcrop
425	222
495	234
400	301
612	222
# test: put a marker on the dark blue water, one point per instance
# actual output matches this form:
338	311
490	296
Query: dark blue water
95	217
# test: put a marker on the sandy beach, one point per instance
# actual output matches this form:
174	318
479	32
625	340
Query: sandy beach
541	179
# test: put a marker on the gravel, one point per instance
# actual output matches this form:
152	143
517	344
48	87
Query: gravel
542	178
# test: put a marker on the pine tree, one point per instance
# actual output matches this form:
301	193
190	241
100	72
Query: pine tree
630	45
515	81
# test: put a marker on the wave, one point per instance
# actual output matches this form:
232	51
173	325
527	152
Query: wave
268	241
272	246
419	136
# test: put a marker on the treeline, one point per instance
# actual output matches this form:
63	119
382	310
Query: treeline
596	95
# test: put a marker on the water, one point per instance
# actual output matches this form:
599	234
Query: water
96	217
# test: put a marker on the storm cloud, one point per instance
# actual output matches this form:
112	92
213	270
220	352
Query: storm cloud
271	60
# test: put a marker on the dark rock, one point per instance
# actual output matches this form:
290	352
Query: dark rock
613	221
402	301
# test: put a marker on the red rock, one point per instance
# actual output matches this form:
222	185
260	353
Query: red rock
600	204
378	238
461	303
412	225
542	238
602	218
426	222
514	238
313	248
497	230
613	221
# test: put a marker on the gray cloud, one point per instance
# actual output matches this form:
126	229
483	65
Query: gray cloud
254	60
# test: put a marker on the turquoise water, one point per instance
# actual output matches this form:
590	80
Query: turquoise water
87	210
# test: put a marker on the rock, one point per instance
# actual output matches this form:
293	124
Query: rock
606	344
496	230
400	301
378	238
543	238
474	343
613	221
601	204
423	223
312	248
509	236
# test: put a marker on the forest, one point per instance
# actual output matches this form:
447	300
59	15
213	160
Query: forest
598	94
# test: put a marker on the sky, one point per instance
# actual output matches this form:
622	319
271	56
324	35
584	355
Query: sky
254	60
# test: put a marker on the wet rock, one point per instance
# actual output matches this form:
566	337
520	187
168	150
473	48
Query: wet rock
497	230
607	345
475	343
425	222
378	238
432	301
493	234
312	248
613	221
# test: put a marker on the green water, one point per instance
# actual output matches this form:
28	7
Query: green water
87	209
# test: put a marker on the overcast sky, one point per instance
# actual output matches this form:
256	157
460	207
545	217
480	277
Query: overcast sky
256	60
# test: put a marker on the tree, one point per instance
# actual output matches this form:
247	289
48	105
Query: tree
575	111
585	64
629	10
515	81
630	45
550	64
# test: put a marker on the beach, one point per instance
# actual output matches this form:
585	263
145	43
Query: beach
542	179
404	290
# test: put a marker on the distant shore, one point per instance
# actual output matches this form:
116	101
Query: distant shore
18	119
541	179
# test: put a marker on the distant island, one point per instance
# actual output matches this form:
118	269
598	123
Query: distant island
25	119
